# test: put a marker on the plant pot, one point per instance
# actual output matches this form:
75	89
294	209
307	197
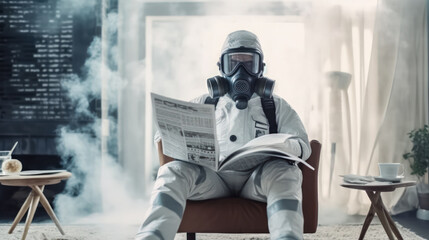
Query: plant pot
423	196
422	214
423	200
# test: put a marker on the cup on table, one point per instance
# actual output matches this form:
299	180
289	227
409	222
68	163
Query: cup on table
4	155
391	170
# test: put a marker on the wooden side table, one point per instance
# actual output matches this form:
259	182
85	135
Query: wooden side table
373	191
37	184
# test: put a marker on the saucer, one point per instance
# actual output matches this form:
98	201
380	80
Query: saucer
394	180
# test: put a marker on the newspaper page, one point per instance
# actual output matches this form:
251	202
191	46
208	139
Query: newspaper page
248	158
260	150
188	130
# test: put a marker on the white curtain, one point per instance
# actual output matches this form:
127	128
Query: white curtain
383	45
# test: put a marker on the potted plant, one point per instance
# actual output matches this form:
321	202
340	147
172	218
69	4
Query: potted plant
419	163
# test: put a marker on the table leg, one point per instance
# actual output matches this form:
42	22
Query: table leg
47	206
391	222
21	212
375	200
367	222
30	214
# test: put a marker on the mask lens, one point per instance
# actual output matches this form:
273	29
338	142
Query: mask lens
250	61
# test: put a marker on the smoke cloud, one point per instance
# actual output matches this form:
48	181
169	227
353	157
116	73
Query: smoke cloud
98	192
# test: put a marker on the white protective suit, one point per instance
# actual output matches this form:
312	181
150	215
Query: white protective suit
276	182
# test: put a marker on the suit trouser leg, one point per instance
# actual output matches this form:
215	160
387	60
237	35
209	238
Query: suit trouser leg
279	184
176	182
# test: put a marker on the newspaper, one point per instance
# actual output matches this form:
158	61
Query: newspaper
188	132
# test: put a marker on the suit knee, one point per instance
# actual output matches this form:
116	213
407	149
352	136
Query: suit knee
179	171
280	170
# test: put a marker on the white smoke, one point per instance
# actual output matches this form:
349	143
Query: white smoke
98	192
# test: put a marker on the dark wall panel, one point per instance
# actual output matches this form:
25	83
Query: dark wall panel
41	45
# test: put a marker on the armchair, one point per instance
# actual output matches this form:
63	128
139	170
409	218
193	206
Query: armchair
239	215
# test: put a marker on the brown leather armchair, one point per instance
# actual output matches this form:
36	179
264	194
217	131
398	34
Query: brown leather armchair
239	215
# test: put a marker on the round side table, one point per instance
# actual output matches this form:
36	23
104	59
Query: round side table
373	191
37	184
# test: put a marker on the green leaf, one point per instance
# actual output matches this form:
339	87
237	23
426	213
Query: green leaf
419	155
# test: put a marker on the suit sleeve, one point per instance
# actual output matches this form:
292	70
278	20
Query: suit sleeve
289	122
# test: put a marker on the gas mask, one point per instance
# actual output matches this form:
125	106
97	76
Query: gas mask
242	70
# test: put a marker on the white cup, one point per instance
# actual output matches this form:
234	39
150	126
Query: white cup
391	170
4	155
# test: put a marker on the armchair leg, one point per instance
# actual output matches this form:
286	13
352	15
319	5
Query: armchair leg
190	236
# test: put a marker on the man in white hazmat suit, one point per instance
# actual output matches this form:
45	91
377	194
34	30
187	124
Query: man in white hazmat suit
239	119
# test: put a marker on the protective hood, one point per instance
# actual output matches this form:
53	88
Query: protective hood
241	38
